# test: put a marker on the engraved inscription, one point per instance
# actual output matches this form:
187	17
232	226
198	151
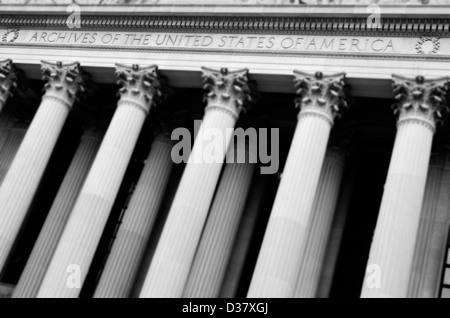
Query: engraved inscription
236	42
228	42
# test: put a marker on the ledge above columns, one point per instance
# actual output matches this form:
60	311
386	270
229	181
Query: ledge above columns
435	11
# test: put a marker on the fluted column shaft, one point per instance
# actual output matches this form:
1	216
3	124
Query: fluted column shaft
155	234
214	250
425	227
23	177
235	266
88	218
10	147
395	234
437	239
131	240
175	252
391	255
5	125
279	259
320	226
335	239
59	213
172	260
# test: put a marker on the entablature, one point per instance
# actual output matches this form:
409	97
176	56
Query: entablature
270	40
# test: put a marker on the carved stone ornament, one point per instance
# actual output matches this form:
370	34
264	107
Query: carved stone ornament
428	45
64	81
140	85
227	90
10	35
322	95
419	99
8	80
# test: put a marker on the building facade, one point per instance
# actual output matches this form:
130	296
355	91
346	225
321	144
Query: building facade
201	148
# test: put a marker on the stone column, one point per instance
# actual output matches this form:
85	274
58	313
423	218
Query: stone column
10	135
427	216
5	126
83	231
64	81
8	80
156	232
437	240
129	246
235	266
320	226
48	239
421	104
214	250
175	252
10	147
335	239
279	259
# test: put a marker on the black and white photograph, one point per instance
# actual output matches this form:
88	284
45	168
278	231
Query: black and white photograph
224	153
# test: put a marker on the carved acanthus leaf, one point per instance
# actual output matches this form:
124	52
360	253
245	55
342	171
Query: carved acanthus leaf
65	80
420	97
228	88
140	84
8	79
321	91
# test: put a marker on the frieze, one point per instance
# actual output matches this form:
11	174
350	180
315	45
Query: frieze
251	43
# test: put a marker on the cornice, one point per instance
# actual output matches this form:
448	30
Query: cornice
323	10
213	24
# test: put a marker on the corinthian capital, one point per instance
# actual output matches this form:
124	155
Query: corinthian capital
140	86
8	80
229	91
64	81
420	100
320	95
